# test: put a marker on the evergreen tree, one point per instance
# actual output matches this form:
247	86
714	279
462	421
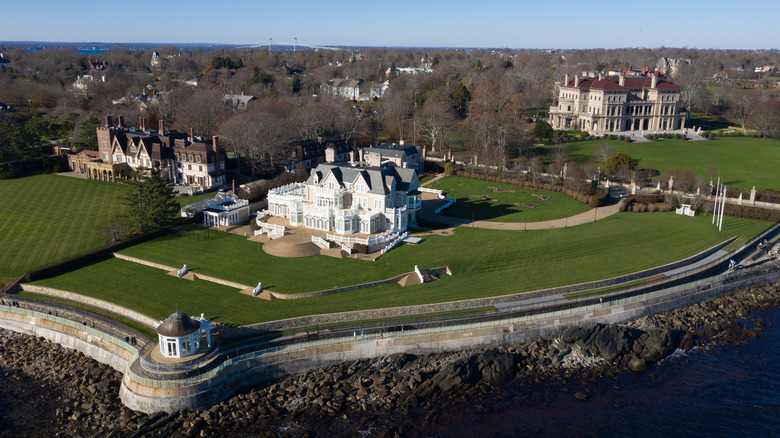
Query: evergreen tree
150	203
542	129
461	96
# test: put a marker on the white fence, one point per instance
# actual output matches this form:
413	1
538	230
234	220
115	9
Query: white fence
272	229
346	249
394	242
319	241
371	240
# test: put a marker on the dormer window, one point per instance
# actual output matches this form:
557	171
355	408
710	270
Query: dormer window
331	186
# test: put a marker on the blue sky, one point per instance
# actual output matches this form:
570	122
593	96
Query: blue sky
747	24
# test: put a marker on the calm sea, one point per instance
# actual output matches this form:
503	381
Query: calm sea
729	391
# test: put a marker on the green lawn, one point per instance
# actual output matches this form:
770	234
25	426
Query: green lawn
741	161
46	218
484	262
500	207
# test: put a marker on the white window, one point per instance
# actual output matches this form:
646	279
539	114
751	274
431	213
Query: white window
377	204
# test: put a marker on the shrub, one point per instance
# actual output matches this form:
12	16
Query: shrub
542	129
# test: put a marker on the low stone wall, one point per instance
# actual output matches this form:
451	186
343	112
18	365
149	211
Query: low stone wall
143	262
397	278
119	310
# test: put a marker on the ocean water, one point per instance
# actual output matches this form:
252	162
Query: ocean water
726	391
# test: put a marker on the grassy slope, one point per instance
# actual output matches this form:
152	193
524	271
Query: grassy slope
485	263
47	218
741	161
502	210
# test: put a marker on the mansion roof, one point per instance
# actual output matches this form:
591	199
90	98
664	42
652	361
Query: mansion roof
630	83
379	180
392	150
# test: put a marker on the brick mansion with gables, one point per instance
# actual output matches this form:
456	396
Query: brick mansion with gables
180	158
602	105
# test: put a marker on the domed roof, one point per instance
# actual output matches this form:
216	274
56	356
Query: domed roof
178	325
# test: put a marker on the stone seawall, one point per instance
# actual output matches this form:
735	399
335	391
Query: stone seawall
147	395
249	370
101	347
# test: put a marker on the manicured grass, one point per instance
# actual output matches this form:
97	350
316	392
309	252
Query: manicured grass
500	207
741	162
484	263
137	326
46	218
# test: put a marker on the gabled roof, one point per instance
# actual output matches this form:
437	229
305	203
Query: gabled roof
378	179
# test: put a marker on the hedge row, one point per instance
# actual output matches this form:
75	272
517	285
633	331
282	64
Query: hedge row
595	199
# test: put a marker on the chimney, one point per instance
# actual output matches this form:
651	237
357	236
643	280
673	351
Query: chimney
622	80
142	123
108	121
192	135
601	76
217	154
160	127
121	121
352	157
576	80
330	154
566	80
242	93
653	81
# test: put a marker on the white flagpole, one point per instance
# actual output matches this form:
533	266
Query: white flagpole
717	194
722	207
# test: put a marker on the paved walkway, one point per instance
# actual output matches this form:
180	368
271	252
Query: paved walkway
583	218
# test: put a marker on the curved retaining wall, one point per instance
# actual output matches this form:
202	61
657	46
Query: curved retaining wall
98	345
253	368
153	395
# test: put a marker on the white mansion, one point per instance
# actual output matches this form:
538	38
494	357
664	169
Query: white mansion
350	199
601	105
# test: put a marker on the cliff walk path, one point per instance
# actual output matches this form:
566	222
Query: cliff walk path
583	218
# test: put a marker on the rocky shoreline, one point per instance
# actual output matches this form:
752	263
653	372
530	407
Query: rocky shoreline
52	391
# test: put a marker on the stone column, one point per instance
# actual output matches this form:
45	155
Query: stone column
753	195
671	184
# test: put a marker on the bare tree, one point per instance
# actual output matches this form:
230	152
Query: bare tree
310	120
345	120
204	112
765	118
602	152
259	137
438	120
394	109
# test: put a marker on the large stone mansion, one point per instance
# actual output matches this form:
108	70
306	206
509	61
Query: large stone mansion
620	104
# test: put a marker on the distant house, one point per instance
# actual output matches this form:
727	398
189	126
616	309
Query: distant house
378	90
400	155
303	155
97	65
83	83
238	101
194	82
409	70
766	69
155	63
345	88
